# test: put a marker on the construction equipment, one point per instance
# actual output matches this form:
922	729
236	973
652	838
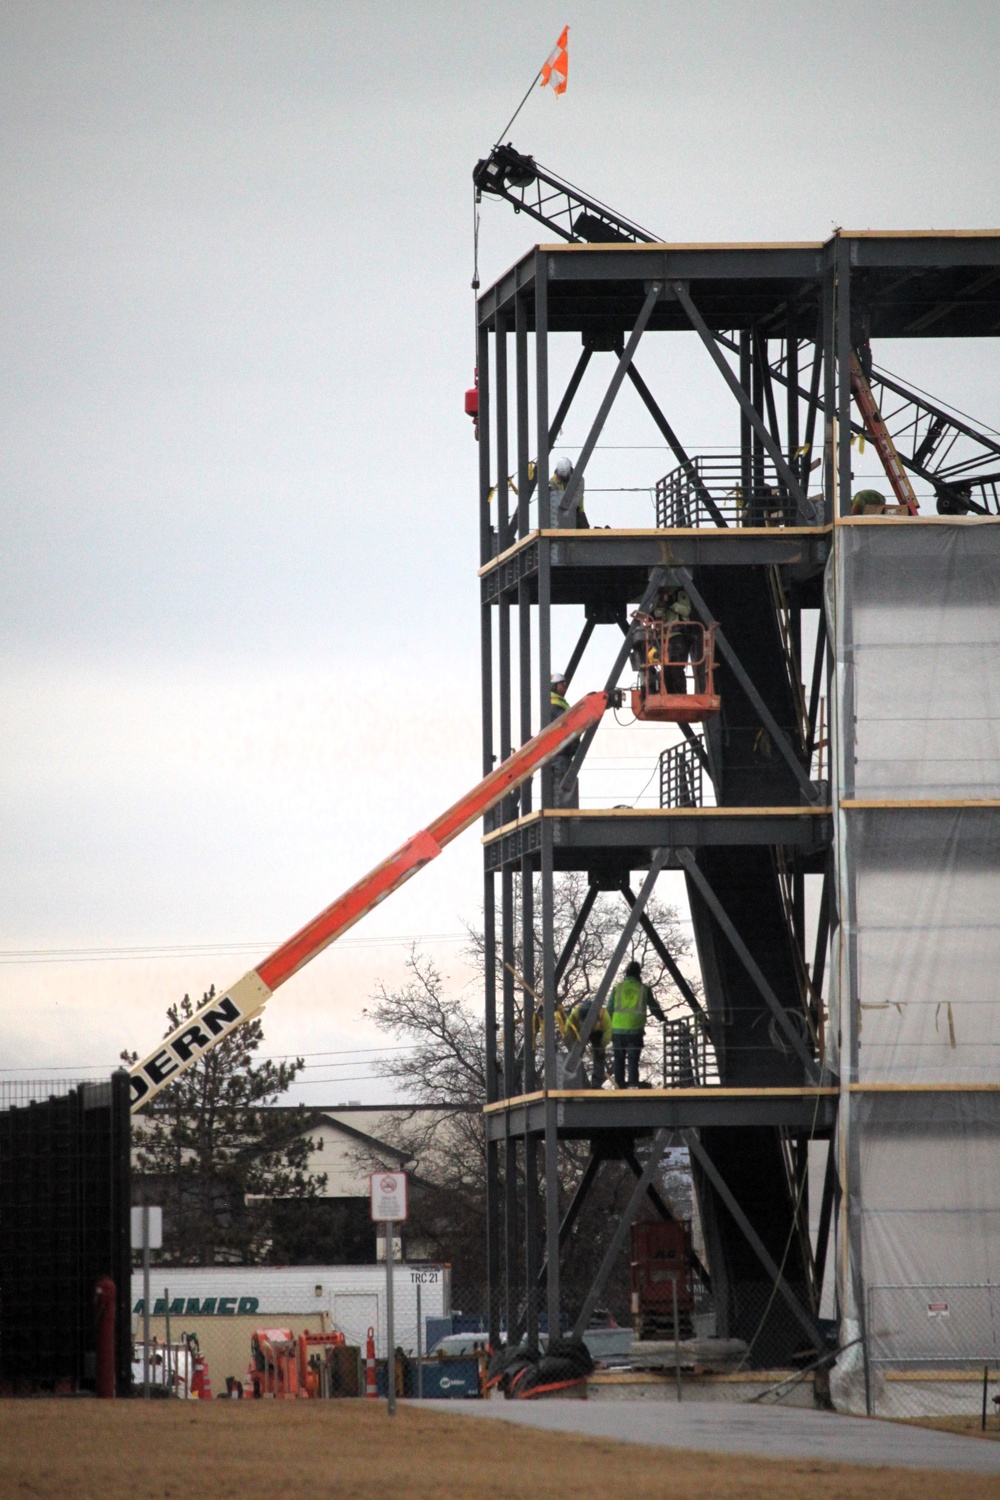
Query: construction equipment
245	1000
274	1364
284	1365
534	190
669	656
879	434
662	1280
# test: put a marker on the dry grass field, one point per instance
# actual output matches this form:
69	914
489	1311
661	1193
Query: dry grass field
966	1426
88	1450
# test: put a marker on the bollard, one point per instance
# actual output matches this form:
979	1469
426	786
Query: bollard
371	1389
105	1297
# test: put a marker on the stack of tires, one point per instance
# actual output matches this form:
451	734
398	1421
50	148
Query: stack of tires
524	1373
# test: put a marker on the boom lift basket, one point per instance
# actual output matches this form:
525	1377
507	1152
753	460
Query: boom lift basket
676	666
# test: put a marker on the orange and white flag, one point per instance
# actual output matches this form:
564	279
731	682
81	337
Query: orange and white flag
555	68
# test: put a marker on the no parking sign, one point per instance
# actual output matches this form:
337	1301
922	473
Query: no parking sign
388	1195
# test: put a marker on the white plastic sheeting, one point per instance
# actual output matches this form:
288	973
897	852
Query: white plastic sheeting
914	613
926	935
920	615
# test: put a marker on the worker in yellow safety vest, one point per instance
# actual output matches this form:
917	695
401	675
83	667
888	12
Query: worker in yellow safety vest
600	1038
558	704
673	607
630	1001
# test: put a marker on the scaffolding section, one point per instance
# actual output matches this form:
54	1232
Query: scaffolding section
762	1080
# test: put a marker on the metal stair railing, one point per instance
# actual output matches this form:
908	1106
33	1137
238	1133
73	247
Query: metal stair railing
744	499
681	777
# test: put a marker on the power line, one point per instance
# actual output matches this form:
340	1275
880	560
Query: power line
354	1052
197	950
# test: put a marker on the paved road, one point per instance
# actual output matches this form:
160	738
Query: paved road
765	1431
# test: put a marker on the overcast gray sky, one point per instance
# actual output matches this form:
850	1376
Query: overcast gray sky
238	549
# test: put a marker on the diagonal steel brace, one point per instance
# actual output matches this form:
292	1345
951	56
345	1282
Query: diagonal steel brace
686	858
568	499
749	410
802	1314
811	790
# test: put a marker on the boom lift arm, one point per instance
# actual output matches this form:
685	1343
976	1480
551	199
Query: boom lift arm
247	997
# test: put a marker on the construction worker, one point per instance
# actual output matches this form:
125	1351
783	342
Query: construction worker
567	520
630	1001
600	1038
868	503
673	607
558	704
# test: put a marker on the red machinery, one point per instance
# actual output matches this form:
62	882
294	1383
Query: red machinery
661	1260
285	1365
879	434
676	666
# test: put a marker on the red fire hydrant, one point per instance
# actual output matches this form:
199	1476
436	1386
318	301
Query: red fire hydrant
105	1298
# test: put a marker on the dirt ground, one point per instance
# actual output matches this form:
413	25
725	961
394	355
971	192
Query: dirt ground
88	1450
967	1426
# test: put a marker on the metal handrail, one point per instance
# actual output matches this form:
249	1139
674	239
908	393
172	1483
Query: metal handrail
745	495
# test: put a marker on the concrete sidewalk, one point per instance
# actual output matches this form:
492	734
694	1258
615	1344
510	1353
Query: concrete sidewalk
764	1431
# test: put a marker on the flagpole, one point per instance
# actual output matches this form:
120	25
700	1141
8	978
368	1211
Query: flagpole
499	139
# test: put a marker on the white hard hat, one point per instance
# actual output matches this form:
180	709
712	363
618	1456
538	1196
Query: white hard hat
564	468
557	678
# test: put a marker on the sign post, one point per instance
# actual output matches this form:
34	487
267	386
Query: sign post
388	1199
146	1234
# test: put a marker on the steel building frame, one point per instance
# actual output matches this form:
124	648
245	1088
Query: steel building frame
738	299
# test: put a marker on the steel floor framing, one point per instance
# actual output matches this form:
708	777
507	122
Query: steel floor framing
746	859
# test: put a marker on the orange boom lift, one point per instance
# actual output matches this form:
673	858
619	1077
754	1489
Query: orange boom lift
248	996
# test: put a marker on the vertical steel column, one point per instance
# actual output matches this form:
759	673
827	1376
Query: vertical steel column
524	680
493	1203
504	528
510	1087
551	1164
527	887
482	356
489	903
542	386
508	526
844	476
759	347
792	371
544	517
509	806
524	674
829	392
746	431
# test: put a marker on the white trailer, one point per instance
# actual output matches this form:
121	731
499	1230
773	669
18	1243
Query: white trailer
350	1298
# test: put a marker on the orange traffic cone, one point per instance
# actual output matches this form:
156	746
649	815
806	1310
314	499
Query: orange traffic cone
371	1389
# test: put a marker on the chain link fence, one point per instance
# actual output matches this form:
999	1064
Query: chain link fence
934	1351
